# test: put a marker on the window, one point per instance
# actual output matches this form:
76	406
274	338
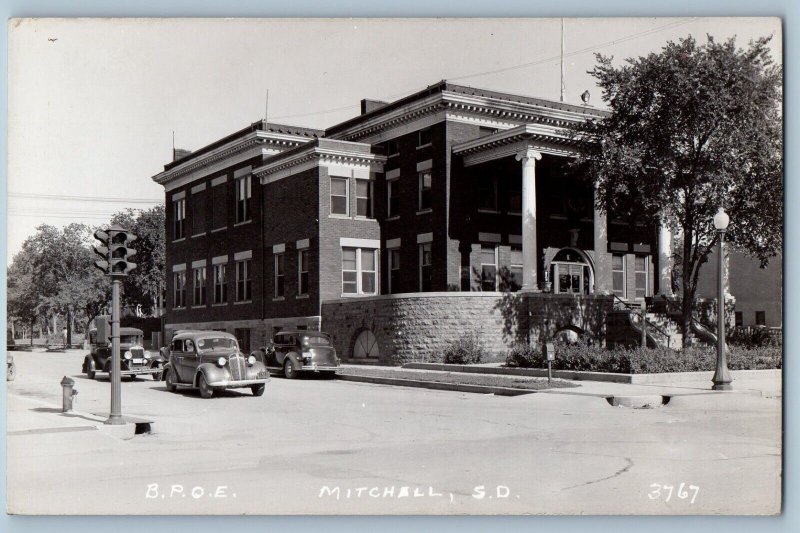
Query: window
425	183
393	198
198	213
424	137
761	318
425	267
392	148
488	268
641	276
179	283
219	207
394	269
199	285
364	198
515	269
487	193
244	285
339	202
739	319
302	276
220	284
179	218
618	274
280	275
359	271
515	197
243	195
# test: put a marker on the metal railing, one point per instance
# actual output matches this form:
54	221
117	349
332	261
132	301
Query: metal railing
646	324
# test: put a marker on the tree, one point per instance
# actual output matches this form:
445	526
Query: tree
692	128
145	284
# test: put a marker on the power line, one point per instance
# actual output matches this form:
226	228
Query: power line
513	67
85	198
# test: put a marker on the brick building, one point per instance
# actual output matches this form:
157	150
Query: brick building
382	228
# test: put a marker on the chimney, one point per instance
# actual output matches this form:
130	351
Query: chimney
179	153
371	105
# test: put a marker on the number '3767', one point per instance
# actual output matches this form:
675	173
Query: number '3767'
666	492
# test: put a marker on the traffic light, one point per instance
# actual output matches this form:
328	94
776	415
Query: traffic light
118	251
101	250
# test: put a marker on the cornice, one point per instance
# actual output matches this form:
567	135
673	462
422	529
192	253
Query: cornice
318	156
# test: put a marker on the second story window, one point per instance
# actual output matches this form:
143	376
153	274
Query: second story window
280	275
339	196
179	286
364	198
642	285
424	137
425	267
220	283
199	286
243	195
425	185
244	284
394	269
487	193
219	206
488	268
392	148
618	274
179	219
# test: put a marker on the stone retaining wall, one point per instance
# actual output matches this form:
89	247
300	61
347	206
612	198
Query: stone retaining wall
419	327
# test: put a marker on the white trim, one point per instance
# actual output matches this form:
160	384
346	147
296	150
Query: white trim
489	237
198	188
278	248
393	174
179	268
220	260
243	171
241	256
425	165
424	238
350	242
302	244
178	196
219	180
346	195
515	239
393	243
199	263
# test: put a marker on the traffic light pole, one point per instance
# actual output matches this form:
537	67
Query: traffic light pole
115	418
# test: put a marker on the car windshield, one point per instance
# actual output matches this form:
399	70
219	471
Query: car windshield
316	340
215	343
130	339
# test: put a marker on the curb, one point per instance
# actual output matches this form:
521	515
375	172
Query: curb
437	385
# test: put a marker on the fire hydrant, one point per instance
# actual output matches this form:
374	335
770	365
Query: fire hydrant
67	385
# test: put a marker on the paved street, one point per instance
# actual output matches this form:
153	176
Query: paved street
302	446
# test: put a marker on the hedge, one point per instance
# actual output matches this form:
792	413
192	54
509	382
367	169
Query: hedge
644	361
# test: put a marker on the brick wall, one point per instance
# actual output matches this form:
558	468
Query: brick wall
418	327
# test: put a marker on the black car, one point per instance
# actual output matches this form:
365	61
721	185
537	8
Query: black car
295	351
134	359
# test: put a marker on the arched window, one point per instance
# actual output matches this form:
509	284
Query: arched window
571	272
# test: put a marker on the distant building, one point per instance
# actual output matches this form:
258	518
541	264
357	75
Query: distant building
396	230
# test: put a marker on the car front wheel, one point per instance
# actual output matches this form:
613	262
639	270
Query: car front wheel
171	386
288	369
205	390
90	373
258	390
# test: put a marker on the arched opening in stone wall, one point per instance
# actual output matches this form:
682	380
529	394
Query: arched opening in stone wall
365	345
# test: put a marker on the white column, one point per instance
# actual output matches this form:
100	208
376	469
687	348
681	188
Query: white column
665	260
529	249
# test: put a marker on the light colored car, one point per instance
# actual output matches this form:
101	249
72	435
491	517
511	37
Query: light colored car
294	351
209	361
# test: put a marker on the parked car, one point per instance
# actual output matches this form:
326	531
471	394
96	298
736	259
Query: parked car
133	358
296	351
211	360
11	368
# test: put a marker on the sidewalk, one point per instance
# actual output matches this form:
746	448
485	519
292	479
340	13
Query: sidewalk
483	378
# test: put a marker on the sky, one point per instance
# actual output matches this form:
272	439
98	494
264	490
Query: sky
94	103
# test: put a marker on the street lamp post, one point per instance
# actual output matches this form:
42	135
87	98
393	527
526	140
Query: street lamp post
722	378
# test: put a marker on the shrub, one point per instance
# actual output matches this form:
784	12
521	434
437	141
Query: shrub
756	337
584	357
465	351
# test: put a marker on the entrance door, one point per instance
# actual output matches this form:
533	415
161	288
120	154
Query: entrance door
571	273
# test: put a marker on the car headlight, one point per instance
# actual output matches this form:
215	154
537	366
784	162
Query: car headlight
221	361
128	355
147	355
251	360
